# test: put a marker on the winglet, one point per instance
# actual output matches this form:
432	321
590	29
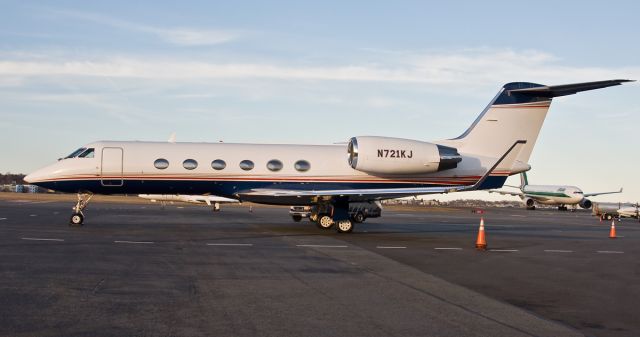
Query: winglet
486	175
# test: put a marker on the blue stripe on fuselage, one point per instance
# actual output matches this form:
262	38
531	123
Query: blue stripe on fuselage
225	188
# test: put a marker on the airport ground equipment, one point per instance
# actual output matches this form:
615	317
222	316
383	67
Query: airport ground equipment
481	241
610	210
612	231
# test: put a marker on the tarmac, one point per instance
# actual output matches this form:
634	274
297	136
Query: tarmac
139	270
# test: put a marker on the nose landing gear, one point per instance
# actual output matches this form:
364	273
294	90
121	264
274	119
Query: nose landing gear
77	218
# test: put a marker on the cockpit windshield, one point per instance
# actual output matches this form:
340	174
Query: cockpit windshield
82	152
76	153
88	153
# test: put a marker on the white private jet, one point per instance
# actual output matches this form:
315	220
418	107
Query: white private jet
210	200
496	145
559	195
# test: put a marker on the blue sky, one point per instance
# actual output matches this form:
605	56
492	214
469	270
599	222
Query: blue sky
294	72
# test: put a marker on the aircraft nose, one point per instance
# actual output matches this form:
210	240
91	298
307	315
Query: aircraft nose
37	176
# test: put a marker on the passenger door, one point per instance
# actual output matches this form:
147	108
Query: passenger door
111	166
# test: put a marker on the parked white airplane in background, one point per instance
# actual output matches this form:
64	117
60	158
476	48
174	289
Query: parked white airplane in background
559	195
210	200
496	145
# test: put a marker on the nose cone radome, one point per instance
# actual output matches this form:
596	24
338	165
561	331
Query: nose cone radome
36	177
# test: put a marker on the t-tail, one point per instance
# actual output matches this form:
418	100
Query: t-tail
516	113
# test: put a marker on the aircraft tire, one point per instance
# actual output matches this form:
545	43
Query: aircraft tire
344	226
325	221
76	220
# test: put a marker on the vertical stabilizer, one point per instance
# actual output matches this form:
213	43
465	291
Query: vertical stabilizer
524	181
516	113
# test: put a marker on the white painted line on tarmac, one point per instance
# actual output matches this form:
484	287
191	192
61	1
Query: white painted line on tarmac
503	250
558	251
230	244
448	248
42	239
3	219
391	247
33	214
322	246
610	252
133	242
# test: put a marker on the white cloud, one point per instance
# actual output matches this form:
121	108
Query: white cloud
470	68
466	67
177	35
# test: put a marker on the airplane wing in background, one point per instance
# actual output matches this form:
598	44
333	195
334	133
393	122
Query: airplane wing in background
375	193
600	193
518	194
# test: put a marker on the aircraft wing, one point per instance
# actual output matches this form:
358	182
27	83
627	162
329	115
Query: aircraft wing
518	194
374	193
600	193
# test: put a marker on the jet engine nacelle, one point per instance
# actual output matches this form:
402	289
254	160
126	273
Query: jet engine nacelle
384	155
585	203
529	203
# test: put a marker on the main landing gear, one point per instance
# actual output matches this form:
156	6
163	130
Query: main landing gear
77	218
324	221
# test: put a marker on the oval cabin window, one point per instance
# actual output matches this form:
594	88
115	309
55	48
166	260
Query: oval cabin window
302	165
246	165
274	165
218	164
161	164
190	164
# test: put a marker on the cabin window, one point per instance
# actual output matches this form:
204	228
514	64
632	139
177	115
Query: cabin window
302	165
246	165
88	153
274	165
190	164
76	153
218	164
161	164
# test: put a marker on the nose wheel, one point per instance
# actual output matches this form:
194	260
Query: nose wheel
77	218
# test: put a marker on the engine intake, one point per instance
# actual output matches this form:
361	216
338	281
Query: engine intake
585	203
384	155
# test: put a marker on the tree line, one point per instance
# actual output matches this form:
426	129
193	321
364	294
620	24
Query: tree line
11	178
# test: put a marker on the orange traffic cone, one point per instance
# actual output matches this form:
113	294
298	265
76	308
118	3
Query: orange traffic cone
481	242
612	232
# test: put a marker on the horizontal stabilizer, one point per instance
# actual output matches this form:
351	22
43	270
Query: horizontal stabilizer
566	89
